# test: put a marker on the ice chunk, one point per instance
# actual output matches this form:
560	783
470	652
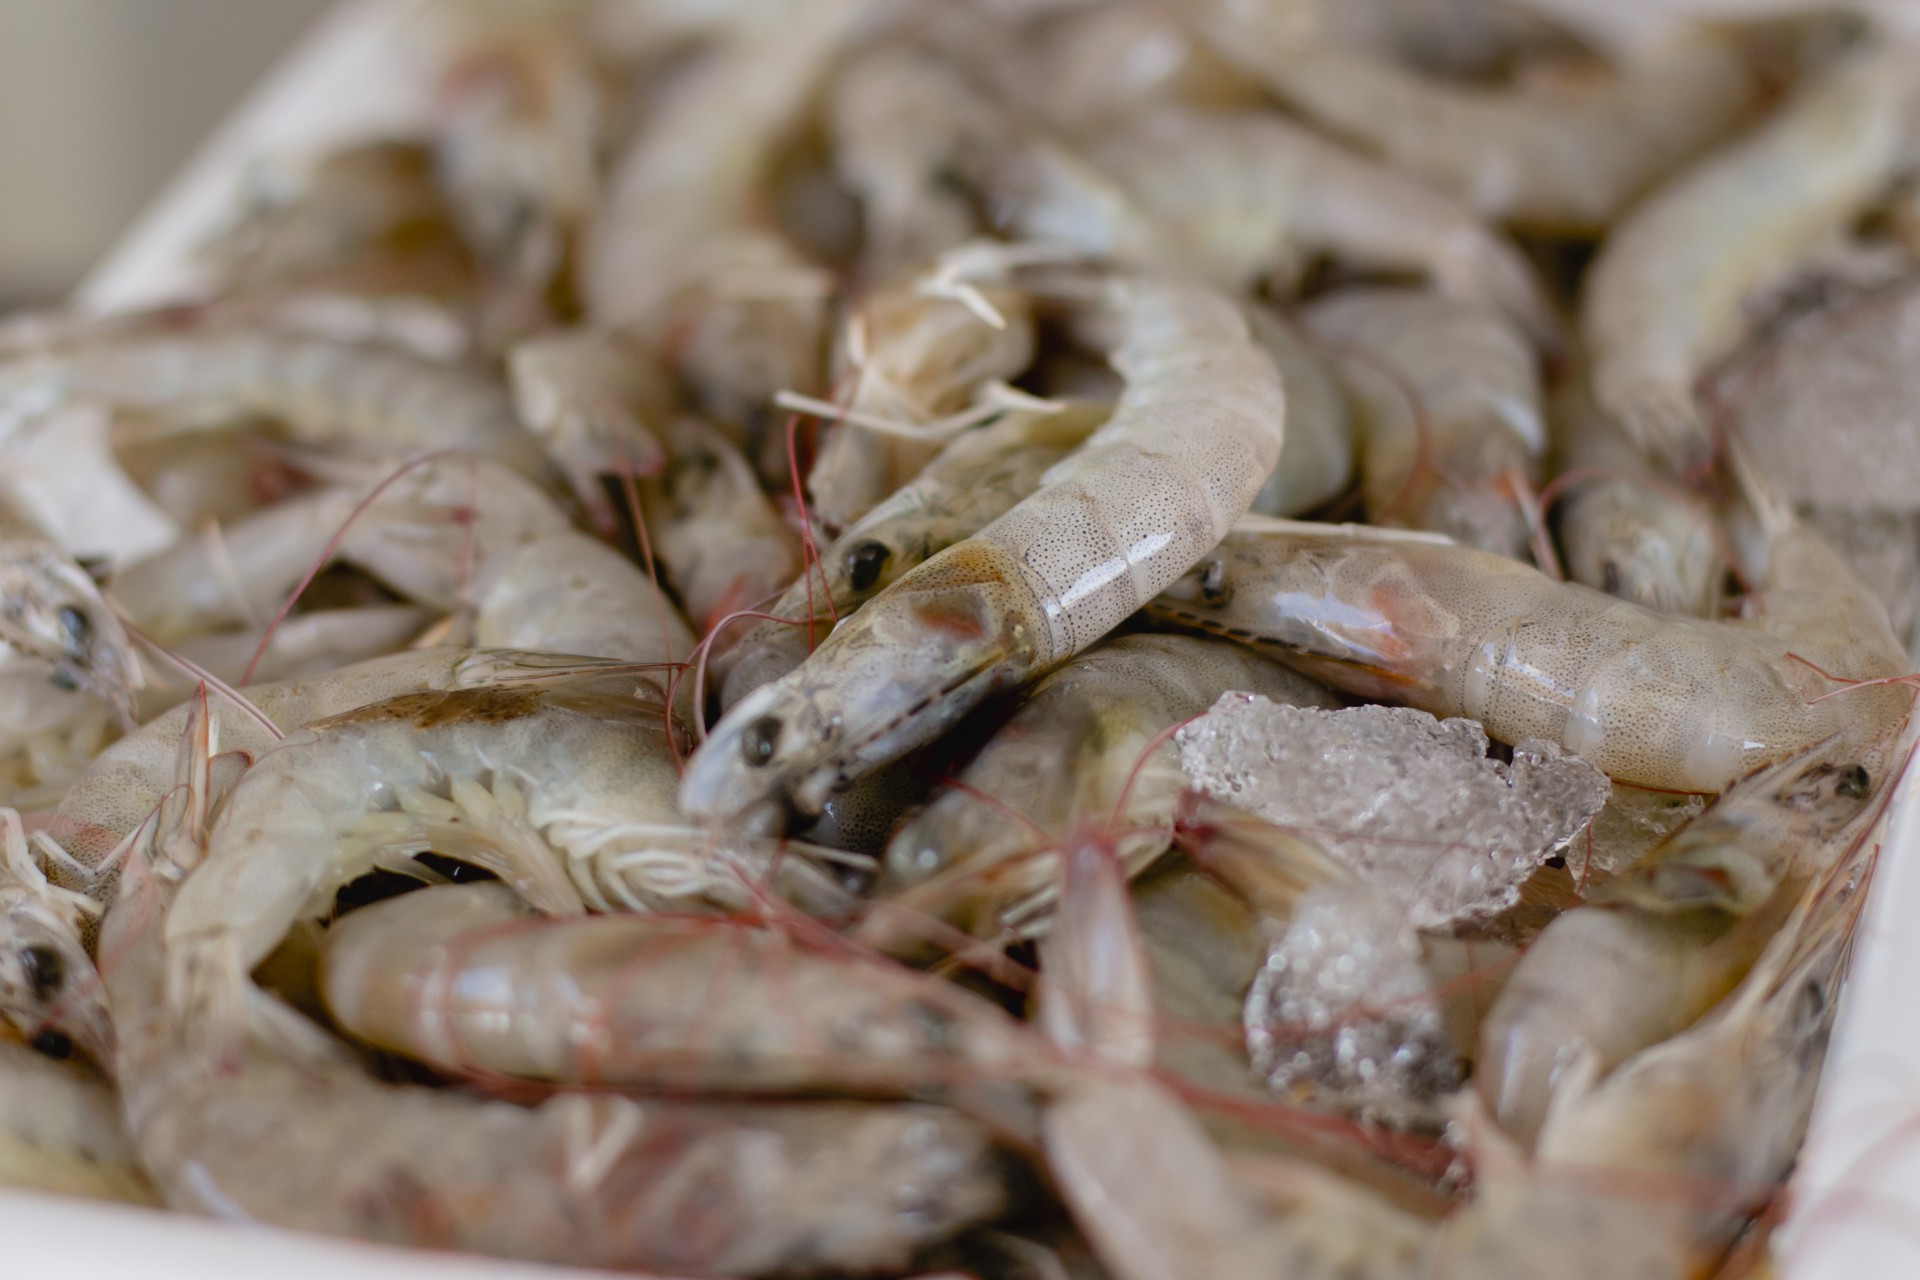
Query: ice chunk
1343	1014
1411	802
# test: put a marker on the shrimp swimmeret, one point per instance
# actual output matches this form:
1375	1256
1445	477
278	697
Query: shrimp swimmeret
1189	445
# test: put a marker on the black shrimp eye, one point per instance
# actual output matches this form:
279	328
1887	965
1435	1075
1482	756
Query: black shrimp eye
760	739
864	563
1610	577
74	628
55	1044
1213	582
45	971
1854	782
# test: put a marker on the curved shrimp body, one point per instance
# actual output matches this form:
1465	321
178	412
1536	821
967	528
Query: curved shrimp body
531	777
917	360
1273	188
1317	464
1623	528
568	593
1656	701
1189	445
1448	395
461	979
1077	752
722	543
588	396
368	399
974	480
1664	298
1566	161
288	1130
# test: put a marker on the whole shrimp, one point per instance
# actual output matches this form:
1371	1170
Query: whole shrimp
287	1129
1448	395
460	977
1189	445
354	397
1664	298
1085	747
1713	1117
1653	700
1624	528
918	361
589	397
1566	160
1675	932
1317	463
974	480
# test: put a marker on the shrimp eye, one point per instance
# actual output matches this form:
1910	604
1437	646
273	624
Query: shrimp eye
864	563
1854	783
1610	577
760	739
1213	582
75	628
54	1044
45	971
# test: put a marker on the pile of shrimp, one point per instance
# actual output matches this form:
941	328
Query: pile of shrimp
611	687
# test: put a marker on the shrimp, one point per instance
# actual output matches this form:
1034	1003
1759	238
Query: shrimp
48	989
60	1131
1566	161
1715	1115
978	855
566	593
460	978
588	397
365	399
1664	298
64	656
1626	530
1317	463
288	1130
973	481
1449	400
676	254
303	646
1231	192
1191	442
918	360
724	546
1652	700
1669	937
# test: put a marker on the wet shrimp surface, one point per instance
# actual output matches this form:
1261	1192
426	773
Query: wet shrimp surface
1119	640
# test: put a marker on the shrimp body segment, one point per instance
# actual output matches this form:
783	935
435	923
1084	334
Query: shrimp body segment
1192	440
1653	700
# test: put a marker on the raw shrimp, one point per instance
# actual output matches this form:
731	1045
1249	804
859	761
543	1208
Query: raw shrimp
366	399
1669	937
676	253
65	659
1316	464
566	593
1711	1119
60	1131
48	989
917	360
1190	444
460	978
975	479
288	1130
722	543
303	646
979	855
1653	700
588	396
1232	193
1566	160
1448	396
1625	529
1664	298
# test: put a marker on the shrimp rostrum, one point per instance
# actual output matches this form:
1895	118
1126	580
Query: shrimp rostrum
1190	443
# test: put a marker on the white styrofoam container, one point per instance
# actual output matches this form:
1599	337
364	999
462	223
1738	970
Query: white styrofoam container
1854	1207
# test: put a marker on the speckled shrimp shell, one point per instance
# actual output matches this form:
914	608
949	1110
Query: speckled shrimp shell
1652	699
1191	442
